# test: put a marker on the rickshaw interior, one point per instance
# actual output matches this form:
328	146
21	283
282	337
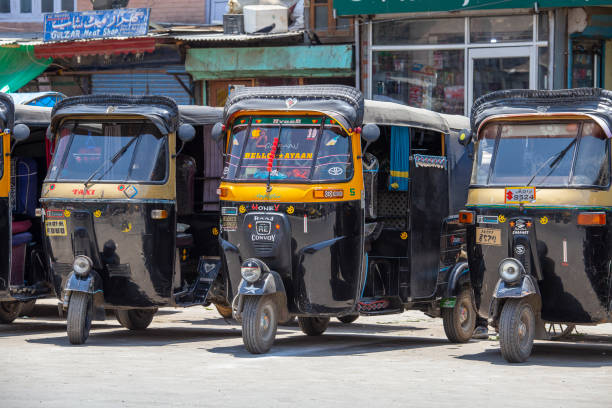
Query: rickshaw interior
28	169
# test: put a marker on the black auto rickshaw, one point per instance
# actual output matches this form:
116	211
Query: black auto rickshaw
538	213
416	178
124	228
298	209
24	272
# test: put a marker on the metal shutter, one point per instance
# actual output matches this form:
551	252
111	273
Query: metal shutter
144	84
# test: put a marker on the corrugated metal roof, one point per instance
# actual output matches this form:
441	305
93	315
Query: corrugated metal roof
236	37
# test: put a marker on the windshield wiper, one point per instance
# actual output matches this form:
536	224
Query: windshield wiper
556	159
112	161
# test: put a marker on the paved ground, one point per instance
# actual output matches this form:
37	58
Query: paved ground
192	357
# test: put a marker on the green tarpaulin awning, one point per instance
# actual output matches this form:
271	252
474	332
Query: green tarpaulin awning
357	7
18	66
298	61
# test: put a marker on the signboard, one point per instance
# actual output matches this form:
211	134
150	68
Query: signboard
81	25
356	7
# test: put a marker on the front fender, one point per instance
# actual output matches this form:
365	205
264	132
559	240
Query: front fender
527	286
456	277
268	284
91	283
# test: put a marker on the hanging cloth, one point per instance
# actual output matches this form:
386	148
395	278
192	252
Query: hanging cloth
400	158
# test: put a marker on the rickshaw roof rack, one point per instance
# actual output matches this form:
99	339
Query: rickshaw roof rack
594	101
7	110
395	114
161	110
329	99
33	115
200	115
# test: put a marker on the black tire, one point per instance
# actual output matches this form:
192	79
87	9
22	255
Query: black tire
460	321
259	323
79	317
27	308
516	330
348	319
135	319
224	311
9	311
313	326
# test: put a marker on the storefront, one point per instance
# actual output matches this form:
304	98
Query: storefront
443	55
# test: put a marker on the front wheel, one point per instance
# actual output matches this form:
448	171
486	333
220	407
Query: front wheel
79	317
460	321
259	324
347	319
313	326
9	311
516	330
135	319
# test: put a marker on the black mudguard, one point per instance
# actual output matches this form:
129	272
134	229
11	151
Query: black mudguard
270	284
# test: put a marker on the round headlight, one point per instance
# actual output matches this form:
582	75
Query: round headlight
82	265
250	271
510	270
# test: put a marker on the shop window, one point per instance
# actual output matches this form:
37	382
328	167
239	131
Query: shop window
543	27
14	11
323	19
501	29
440	31
429	79
543	74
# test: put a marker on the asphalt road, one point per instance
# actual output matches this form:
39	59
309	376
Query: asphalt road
194	358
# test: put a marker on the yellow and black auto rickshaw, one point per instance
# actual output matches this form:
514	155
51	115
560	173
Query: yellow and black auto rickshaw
538	213
24	273
124	227
298	210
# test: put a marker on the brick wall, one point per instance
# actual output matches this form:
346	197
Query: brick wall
166	11
9	27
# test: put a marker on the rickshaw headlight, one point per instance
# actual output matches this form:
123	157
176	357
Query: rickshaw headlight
82	265
510	270
250	271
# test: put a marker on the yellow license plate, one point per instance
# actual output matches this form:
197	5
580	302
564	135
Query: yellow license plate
488	236
55	228
520	195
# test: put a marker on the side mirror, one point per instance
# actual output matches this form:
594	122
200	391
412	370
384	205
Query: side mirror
186	132
21	132
465	137
370	133
49	134
217	131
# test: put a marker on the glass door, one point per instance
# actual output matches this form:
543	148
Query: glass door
500	68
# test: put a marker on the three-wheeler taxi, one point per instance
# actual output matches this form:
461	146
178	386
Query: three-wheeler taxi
24	272
538	213
416	177
300	218
123	226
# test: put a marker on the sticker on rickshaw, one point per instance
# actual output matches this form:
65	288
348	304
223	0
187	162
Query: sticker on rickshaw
55	228
520	195
488	236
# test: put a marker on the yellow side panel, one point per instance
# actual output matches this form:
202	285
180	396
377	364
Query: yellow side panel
5	181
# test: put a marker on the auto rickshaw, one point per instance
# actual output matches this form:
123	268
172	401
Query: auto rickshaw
123	225
416	178
24	272
298	209
538	213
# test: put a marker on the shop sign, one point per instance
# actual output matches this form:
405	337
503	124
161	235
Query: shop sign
96	24
357	7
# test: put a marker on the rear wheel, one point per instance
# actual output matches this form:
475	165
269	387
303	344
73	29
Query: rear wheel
259	324
9	311
313	326
347	319
224	311
79	317
135	319
27	308
460	321
516	330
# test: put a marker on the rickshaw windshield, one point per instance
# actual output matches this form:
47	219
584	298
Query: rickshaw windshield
109	151
553	154
306	149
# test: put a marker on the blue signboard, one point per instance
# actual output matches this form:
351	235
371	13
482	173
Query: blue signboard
96	24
